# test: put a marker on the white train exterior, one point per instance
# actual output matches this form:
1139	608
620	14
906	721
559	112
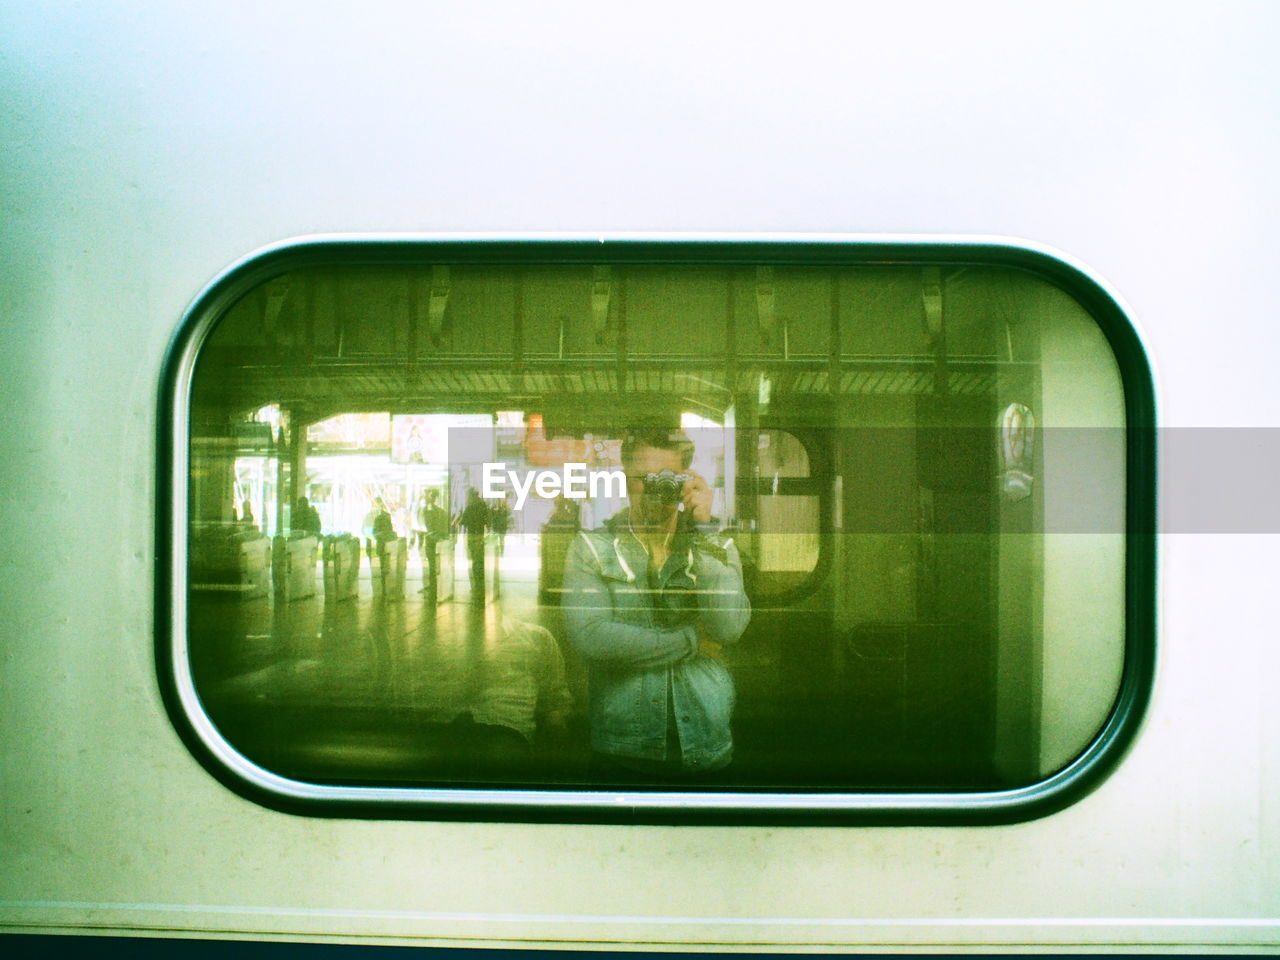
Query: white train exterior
149	147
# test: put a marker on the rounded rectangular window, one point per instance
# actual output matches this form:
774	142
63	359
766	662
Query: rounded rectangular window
658	531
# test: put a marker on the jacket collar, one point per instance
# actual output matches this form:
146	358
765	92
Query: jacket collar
631	552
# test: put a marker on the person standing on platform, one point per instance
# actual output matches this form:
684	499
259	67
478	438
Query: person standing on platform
434	522
306	519
378	527
475	520
500	522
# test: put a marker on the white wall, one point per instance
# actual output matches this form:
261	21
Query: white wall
149	145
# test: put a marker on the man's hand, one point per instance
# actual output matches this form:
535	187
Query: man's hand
709	648
696	498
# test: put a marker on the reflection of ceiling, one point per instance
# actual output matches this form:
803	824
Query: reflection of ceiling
388	385
422	337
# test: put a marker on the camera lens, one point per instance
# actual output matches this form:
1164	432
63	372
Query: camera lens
664	486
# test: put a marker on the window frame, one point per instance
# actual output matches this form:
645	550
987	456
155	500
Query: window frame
1089	768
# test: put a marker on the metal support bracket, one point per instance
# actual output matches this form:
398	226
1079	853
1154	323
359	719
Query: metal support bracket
765	302
932	293
277	294
438	301
601	290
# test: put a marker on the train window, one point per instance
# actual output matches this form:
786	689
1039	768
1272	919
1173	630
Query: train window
787	514
657	531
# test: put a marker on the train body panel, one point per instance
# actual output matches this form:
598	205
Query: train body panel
152	147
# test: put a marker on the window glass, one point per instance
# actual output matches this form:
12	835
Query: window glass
693	526
783	540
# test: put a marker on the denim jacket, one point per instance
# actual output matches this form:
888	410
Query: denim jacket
640	641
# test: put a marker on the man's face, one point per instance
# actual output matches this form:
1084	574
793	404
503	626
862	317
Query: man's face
650	460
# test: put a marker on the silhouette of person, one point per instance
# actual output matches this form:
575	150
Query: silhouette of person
475	520
435	529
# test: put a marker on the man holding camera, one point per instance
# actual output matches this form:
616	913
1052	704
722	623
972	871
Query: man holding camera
650	600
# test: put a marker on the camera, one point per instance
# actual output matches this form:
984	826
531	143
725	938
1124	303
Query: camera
664	486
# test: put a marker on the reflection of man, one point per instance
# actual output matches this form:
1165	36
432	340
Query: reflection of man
378	529
474	520
500	521
377	524
650	599
435	528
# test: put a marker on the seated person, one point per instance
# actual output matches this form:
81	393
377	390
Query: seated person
522	701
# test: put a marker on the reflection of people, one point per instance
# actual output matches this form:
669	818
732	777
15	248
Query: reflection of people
474	520
377	524
558	534
522	698
650	599
246	514
565	514
306	519
434	522
383	530
500	522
